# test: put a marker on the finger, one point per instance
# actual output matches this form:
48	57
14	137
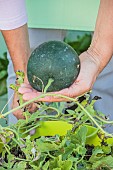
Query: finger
32	107
23	90
30	96
18	115
75	90
25	85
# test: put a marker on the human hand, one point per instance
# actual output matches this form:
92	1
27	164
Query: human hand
17	98
88	73
19	113
15	103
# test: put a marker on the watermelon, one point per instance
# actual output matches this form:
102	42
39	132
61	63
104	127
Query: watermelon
53	60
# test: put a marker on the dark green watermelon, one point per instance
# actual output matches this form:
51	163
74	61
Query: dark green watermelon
56	60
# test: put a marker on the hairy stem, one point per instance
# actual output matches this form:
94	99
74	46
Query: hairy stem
61	96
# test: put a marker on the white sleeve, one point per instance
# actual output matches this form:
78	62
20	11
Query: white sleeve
12	14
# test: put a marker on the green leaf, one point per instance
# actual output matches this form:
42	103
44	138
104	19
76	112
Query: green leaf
1	168
28	149
58	163
20	77
20	166
45	166
67	151
70	111
81	43
3	74
106	149
104	162
35	167
10	162
38	163
80	136
97	154
3	63
85	42
80	150
97	150
46	146
3	87
66	165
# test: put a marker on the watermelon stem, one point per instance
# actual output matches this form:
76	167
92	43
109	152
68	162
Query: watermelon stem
34	79
50	81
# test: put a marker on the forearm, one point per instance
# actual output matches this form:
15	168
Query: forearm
102	44
17	41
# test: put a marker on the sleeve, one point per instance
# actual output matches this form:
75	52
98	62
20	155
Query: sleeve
12	14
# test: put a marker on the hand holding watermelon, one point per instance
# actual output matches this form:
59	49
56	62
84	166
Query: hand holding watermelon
79	84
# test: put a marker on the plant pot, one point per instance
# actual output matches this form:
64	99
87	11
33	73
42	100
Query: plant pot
51	128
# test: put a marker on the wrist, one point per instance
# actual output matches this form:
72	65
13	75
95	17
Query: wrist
101	51
26	79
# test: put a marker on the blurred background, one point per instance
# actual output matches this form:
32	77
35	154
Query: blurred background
76	18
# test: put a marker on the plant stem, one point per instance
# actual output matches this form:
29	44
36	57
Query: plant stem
35	99
104	121
50	81
94	121
7	148
20	159
61	96
34	127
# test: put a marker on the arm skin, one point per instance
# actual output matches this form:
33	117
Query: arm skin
93	60
17	41
101	48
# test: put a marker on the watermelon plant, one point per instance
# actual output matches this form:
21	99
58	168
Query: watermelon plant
57	136
64	138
